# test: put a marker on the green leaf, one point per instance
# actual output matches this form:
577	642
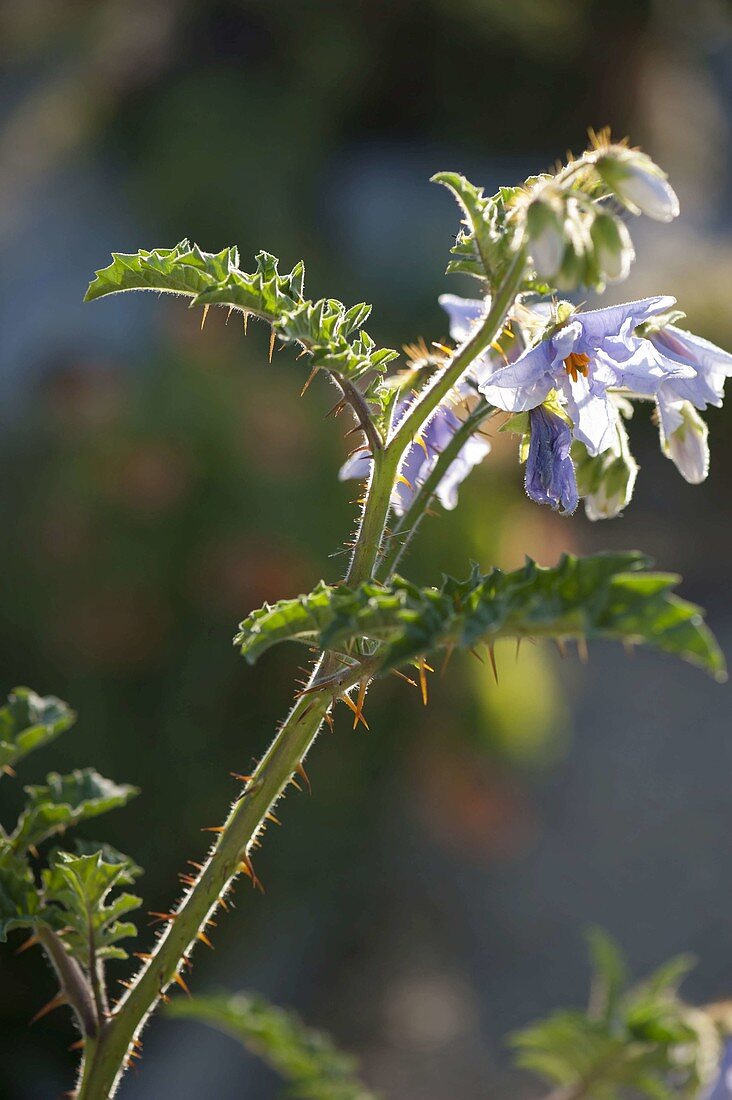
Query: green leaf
20	905
643	1040
603	596
331	333
29	721
306	1059
76	890
66	800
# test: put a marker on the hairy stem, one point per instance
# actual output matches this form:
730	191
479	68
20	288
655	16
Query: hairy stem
108	1054
483	336
71	980
406	527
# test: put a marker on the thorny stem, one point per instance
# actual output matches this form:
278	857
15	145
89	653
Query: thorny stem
406	527
106	1055
71	980
483	336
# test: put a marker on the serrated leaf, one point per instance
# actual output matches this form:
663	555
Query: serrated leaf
29	721
603	596
76	892
331	333
65	800
20	905
306	1059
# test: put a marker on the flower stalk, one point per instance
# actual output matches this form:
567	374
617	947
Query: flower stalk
107	1055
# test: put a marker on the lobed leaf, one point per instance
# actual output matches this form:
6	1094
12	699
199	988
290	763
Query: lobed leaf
331	333
20	905
608	595
66	800
307	1059
29	721
633	1040
77	889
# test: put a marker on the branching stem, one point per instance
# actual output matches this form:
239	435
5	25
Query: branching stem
106	1055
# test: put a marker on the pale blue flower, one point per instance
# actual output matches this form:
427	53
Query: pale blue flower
582	359
683	432
721	1088
550	477
420	459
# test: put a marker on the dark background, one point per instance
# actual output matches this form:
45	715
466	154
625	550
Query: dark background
157	483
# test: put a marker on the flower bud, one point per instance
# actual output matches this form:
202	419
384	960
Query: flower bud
684	439
544	229
614	251
606	481
639	184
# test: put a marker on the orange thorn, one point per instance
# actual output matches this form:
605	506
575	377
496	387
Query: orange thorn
245	320
401	480
300	769
9	771
224	904
241	778
161	916
419	439
30	942
271	817
476	654
142	955
164	998
408	679
329	719
127	985
187	880
492	655
204	939
179	980
448	654
352	707
313	372
213	829
228	315
295	784
359	702
582	652
271	343
205	315
193	863
423	681
55	1002
78	1045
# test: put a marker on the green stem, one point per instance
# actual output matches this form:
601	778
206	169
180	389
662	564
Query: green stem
106	1057
436	390
406	527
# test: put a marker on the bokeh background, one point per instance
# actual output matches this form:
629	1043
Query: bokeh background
159	482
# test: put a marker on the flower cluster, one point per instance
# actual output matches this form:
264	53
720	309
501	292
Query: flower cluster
573	239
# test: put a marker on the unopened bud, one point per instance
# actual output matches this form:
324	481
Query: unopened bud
639	184
684	439
614	251
606	481
544	229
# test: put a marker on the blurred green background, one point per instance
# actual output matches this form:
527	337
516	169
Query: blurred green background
159	482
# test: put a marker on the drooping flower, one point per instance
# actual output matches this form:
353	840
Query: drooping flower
683	432
550	477
582	359
721	1087
420	458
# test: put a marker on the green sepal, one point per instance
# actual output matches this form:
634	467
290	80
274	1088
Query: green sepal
608	595
63	801
312	1066
29	721
76	891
